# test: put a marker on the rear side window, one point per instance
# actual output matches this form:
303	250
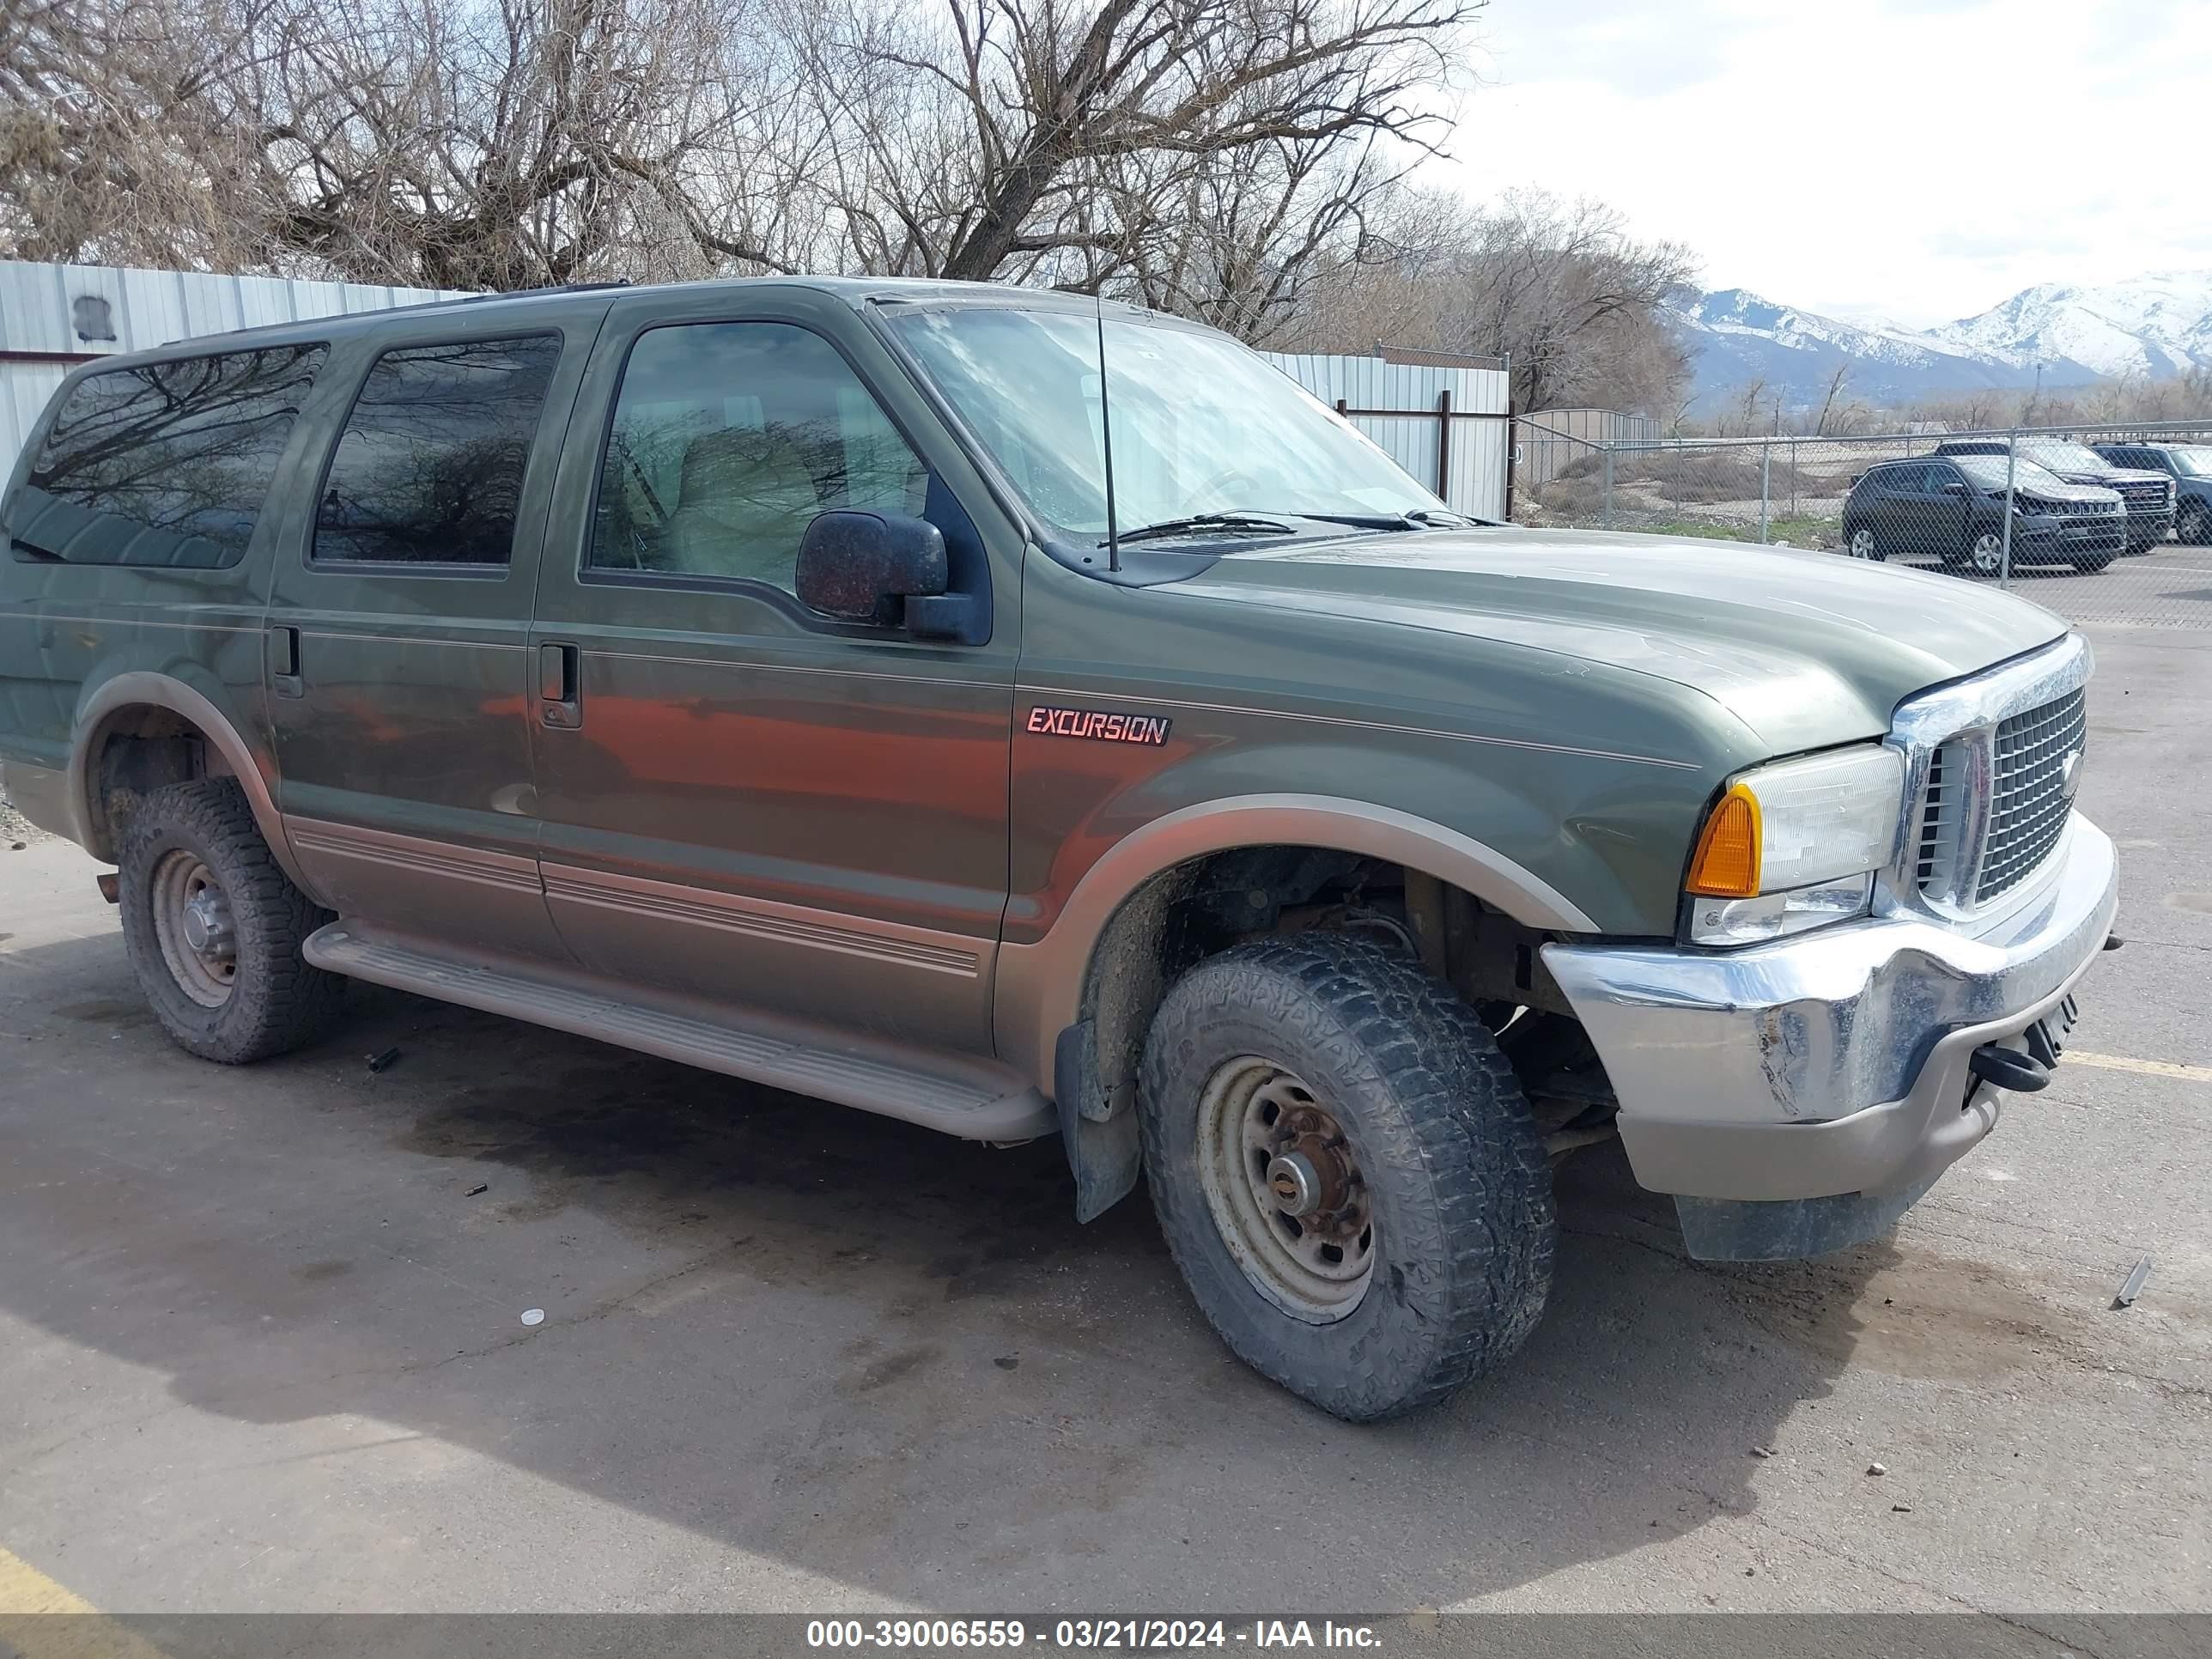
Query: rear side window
163	464
429	468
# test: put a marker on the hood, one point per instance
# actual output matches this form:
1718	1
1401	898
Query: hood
2068	490
1806	649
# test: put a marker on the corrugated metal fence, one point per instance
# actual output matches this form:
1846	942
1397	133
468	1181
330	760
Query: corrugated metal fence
54	317
1449	426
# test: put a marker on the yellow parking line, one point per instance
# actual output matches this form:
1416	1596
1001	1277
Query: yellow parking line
2148	1068
29	1604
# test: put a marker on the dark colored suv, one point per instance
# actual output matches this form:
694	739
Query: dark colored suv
2190	466
1953	508
2149	494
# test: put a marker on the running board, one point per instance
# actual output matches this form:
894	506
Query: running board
974	1099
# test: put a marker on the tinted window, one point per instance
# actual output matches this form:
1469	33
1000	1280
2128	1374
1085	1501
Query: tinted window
728	440
429	468
164	463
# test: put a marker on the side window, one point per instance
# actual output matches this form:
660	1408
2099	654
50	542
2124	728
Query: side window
1941	475
429	469
1903	480
165	463
729	439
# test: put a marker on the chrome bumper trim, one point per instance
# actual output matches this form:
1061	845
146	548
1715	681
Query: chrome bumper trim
1834	1062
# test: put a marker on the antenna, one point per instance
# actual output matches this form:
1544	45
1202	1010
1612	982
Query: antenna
1106	432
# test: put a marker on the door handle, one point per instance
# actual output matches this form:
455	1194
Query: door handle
560	690
284	676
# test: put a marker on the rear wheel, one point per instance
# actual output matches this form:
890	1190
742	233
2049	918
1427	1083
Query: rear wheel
1985	554
1860	544
1346	1173
214	927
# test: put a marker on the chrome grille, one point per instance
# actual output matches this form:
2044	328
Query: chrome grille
2030	792
1988	789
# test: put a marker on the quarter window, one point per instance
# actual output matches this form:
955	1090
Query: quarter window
728	440
431	466
164	463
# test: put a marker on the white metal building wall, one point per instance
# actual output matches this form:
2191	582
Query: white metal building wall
1476	481
39	338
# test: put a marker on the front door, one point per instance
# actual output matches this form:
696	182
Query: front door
397	632
743	801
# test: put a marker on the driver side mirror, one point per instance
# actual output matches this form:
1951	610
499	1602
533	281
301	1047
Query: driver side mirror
863	567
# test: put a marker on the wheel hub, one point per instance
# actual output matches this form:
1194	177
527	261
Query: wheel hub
207	927
1285	1188
194	928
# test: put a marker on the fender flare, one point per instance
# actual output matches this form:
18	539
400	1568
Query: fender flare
144	689
1041	985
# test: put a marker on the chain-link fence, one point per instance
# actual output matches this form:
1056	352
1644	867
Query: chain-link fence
2109	523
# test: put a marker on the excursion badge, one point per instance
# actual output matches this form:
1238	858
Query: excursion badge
1096	724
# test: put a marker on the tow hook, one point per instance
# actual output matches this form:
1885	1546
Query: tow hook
2008	1068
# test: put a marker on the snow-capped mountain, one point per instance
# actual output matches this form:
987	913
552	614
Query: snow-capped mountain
2154	325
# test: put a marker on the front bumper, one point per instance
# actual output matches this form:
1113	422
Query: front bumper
1834	1063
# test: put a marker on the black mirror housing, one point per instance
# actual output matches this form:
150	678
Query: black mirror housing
863	567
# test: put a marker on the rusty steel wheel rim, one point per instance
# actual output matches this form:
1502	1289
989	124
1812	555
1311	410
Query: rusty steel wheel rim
1284	1185
193	926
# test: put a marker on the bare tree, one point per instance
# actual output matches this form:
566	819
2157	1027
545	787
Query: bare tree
1560	289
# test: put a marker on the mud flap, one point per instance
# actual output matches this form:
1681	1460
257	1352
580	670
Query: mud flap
1099	1134
1740	1229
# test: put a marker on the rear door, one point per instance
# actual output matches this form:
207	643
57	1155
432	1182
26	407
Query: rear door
743	801
397	629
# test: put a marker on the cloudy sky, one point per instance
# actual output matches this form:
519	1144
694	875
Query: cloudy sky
1917	160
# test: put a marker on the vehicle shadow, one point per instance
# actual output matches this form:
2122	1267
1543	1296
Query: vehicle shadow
888	1358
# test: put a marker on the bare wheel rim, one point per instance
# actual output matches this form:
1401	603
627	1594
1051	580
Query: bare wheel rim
1862	544
1989	553
1284	1185
192	923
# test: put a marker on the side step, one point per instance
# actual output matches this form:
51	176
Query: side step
974	1099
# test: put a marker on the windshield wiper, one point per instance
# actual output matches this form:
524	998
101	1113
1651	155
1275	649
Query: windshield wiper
1236	523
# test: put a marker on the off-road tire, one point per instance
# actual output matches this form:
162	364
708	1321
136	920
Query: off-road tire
277	1001
1457	1175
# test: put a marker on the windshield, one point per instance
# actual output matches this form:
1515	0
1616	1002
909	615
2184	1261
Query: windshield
2195	463
2065	458
1988	472
1200	424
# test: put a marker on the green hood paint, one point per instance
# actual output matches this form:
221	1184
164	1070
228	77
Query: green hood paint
1805	649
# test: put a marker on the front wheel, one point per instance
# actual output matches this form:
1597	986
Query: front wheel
1985	554
1346	1173
2194	524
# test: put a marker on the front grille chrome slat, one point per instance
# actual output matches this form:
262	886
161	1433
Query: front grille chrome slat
2029	760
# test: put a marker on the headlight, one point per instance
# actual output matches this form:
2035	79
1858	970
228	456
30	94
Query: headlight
1794	845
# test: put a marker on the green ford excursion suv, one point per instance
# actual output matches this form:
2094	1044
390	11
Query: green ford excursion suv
760	674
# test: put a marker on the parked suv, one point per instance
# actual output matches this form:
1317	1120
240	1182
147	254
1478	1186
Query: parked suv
2149	494
763	675
1954	510
2189	466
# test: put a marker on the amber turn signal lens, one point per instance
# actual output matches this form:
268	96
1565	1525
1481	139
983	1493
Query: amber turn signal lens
1727	861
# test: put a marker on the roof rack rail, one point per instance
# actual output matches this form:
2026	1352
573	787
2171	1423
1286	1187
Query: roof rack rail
531	293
